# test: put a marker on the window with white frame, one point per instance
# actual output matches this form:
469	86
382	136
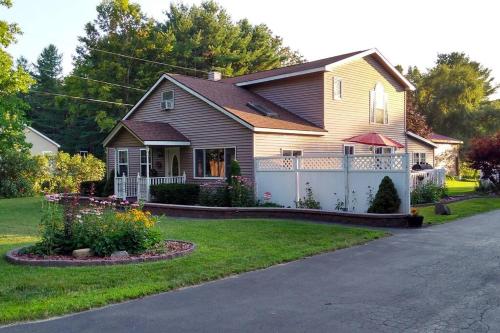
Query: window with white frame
291	152
123	162
84	153
419	158
337	88
167	100
383	150
144	159
348	149
379	105
213	162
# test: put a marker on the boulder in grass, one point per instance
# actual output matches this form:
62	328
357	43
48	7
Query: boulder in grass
442	209
82	253
119	254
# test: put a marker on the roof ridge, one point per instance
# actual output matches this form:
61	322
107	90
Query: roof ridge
299	64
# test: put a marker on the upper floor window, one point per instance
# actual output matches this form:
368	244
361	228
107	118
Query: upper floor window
167	100
378	105
337	88
291	152
83	153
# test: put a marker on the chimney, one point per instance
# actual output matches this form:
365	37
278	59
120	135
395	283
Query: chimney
214	76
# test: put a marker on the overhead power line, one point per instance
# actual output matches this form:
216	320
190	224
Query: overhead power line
80	98
149	61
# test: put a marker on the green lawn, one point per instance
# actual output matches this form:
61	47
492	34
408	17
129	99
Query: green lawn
223	248
460	209
460	187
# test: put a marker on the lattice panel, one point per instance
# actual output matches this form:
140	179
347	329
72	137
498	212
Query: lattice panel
321	163
276	164
376	162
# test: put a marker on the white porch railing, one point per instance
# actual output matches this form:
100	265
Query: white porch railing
436	176
138	187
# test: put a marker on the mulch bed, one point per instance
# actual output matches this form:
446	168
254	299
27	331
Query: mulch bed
173	249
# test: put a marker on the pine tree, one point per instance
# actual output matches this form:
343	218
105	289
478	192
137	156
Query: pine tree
386	200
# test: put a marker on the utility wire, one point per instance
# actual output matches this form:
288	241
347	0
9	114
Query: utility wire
149	61
98	81
80	98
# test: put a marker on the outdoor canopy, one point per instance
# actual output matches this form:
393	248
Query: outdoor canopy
374	139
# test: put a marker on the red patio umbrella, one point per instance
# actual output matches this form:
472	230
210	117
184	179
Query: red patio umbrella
374	139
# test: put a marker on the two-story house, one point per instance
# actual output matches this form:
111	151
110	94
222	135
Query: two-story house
195	127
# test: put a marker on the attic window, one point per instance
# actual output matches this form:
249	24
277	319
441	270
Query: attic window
167	100
262	110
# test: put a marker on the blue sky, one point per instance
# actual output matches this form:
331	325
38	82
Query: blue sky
406	32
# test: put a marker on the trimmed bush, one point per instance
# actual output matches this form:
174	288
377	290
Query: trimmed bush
215	194
386	200
179	194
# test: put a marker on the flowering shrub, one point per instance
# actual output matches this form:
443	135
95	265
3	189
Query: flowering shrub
99	226
241	192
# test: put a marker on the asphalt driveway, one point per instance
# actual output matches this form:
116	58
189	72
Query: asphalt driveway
439	279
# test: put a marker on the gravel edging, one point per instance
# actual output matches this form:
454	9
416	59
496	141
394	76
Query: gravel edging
12	257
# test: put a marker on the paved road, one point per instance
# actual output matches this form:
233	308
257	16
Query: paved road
439	279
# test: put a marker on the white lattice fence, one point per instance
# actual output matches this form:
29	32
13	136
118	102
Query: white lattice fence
284	180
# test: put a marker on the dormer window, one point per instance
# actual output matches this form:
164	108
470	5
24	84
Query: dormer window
337	88
378	105
167	100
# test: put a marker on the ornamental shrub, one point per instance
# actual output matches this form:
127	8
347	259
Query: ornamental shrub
179	194
18	172
214	194
386	200
427	193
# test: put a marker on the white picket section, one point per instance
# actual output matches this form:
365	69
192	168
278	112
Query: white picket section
436	176
139	187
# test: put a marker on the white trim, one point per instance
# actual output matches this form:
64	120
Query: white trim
282	76
393	150
329	68
115	130
167	143
285	131
349	145
206	148
149	158
419	138
43	136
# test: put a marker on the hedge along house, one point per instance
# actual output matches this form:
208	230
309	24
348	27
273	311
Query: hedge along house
187	129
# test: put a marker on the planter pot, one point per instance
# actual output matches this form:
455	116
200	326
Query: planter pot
415	221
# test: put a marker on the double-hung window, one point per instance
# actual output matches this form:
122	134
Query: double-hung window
291	152
213	162
123	162
144	164
378	105
419	158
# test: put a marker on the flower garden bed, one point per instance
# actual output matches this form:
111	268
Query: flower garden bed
172	249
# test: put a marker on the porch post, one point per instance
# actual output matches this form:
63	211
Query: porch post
147	173
116	162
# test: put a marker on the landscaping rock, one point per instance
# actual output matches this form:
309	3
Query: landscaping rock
82	253
442	209
119	254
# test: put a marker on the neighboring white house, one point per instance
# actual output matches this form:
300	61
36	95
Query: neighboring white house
40	143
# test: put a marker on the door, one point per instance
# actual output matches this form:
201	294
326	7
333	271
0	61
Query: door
172	162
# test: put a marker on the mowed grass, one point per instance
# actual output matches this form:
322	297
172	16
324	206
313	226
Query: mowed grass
460	187
224	247
460	209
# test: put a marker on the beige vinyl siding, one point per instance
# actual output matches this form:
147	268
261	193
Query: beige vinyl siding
204	126
39	144
300	95
415	146
349	116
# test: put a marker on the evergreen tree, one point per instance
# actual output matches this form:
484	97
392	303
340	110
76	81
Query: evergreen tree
45	113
